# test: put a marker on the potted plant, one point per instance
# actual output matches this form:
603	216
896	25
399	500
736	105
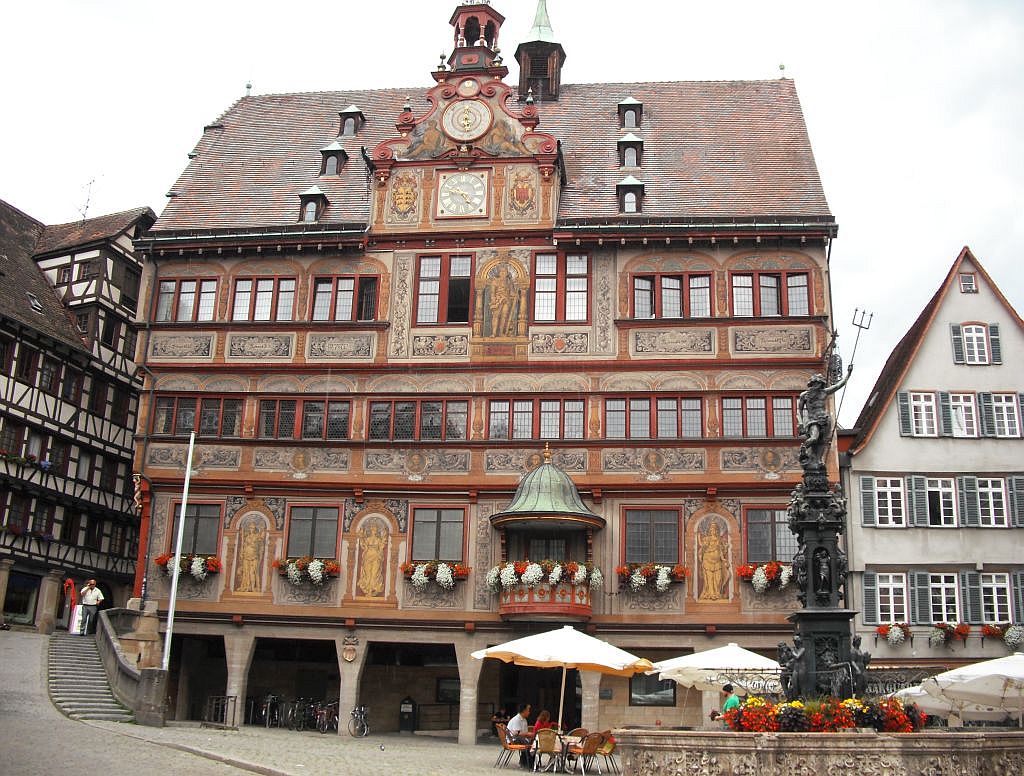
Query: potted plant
443	574
506	576
659	577
895	633
307	570
197	566
763	577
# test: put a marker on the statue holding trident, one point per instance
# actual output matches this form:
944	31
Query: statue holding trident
815	422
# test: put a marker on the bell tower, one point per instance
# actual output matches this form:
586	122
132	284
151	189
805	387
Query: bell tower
540	59
476	27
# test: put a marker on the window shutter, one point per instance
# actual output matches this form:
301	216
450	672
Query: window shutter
958	343
920	598
994	345
970	509
867	501
904	401
988	417
917	500
970	592
945	415
870	598
1016	487
1018	597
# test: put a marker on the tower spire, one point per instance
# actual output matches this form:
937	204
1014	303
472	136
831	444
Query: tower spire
541	24
540	58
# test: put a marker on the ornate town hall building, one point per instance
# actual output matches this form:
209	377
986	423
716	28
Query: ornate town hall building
382	313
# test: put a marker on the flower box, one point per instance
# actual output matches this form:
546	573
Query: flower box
197	566
763	577
650	576
944	634
895	633
444	575
307	570
530	574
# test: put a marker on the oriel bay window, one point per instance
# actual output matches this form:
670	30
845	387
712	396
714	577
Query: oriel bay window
313	532
443	289
345	298
201	531
535	419
652	536
306	419
561	287
186	300
758	416
672	296
769	537
263	299
645	417
414	420
437	534
762	294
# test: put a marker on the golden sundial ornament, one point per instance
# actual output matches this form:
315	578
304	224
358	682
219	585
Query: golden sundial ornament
466	120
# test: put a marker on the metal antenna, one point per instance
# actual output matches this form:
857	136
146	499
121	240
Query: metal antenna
88	198
861	325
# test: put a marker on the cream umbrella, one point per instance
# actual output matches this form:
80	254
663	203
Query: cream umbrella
566	648
711	669
997	683
936	706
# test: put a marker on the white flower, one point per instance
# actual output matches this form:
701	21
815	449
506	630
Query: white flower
759	580
784	576
556	574
294	574
937	637
315	569
596	579
637	581
662	581
1014	636
198	569
419	576
580	576
508	576
895	636
533	575
444	577
493	578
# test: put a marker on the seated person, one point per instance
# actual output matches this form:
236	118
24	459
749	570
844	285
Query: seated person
519	733
544	721
498	717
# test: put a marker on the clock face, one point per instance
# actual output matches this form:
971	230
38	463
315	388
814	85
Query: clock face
462	194
466	119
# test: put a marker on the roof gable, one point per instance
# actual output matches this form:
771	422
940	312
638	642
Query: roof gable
62	237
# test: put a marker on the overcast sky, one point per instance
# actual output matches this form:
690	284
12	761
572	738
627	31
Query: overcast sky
915	109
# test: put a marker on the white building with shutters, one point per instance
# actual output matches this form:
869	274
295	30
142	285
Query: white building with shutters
934	471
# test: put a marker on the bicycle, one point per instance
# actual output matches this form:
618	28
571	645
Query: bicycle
358	726
327	716
271	711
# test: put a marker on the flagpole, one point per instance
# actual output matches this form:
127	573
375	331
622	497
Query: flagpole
176	559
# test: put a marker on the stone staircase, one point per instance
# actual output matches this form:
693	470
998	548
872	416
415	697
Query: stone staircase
78	683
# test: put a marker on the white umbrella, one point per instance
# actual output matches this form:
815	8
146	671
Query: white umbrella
566	648
998	683
945	707
713	668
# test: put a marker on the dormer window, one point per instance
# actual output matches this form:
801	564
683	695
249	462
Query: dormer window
631	195
968	284
312	204
334	158
352	120
630	151
34	303
630	113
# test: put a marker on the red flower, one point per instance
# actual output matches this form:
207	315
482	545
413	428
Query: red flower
993	631
772	569
680	572
961	631
163	560
882	630
520	566
746	571
332	568
460	571
213	564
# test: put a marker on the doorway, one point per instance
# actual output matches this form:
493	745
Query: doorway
540	687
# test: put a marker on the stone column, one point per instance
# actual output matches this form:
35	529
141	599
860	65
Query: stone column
49	595
6	564
349	670
591	713
469	681
238	651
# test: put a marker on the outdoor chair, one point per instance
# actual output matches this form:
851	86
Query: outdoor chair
579	732
547	751
507	748
607	751
584	754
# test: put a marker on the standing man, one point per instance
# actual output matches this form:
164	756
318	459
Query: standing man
91	599
519	733
730	701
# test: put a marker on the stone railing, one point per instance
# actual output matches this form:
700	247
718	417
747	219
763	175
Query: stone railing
127	639
564	601
988	752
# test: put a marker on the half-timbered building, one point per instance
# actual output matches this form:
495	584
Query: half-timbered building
465	363
69	294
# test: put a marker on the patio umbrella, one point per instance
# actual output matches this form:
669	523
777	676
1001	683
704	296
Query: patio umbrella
998	683
713	668
566	648
945	707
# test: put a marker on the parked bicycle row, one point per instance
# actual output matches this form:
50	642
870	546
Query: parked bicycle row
309	714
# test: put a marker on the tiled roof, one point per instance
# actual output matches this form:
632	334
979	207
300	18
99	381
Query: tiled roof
60	237
902	356
714	149
20	276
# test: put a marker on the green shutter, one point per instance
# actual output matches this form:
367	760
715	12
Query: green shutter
870	598
920	598
1016	487
967	494
970	594
1018	597
903	399
994	344
958	343
917	501
988	417
945	415
868	515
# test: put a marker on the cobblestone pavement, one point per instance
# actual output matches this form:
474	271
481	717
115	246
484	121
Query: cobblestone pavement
39	741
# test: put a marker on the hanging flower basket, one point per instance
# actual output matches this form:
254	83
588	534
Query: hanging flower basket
895	633
1014	636
772	575
197	566
650	576
307	570
442	574
944	634
530	574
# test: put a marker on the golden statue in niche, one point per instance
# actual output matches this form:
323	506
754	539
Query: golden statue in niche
252	539
373	542
502	302
713	554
